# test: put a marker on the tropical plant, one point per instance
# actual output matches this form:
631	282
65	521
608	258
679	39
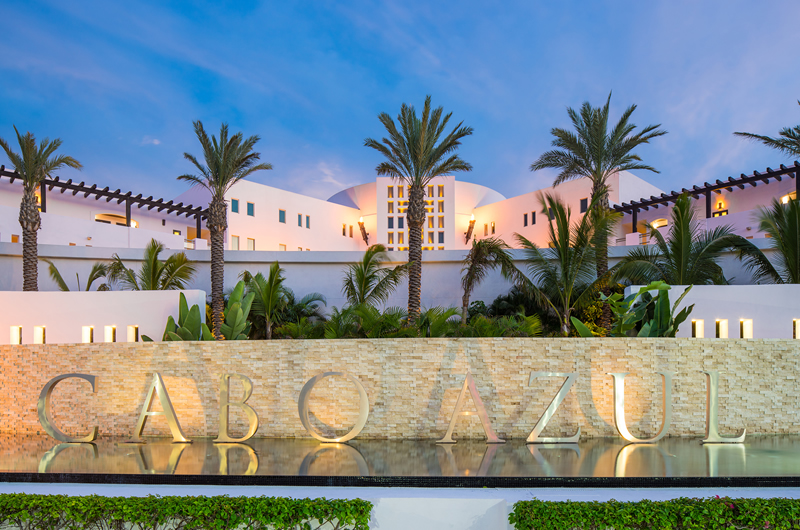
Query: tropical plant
593	151
227	161
98	271
416	153
652	314
33	164
367	282
189	326
781	222
437	322
369	322
176	272
485	255
787	141
687	256
341	323
311	306
562	277
505	326
236	315
270	297
302	329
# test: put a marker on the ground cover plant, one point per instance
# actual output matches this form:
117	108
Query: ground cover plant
679	514
56	512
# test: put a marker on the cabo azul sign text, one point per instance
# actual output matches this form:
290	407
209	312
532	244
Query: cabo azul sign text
158	390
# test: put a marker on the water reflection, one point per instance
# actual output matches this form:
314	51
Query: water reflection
777	455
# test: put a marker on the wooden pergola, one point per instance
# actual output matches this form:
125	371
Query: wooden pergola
707	189
130	200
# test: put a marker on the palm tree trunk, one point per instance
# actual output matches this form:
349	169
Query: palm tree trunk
601	257
268	329
415	216
30	220
566	324
217	223
464	308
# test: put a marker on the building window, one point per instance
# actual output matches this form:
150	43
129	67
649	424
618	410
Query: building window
584	205
441	206
235	205
400	223
176	232
400	237
400	191
300	220
492	227
430	237
344	230
746	328
390	192
390	223
281	247
308	221
721	331
441	238
251	244
533	218
234	242
251	209
390	238
441	190
697	329
524	219
430	190
430	222
282	216
720	213
441	221
15	238
351	230
390	207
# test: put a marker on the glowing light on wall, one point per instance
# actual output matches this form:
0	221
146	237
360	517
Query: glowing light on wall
39	335
15	335
698	329
722	328
133	333
746	328
87	334
110	334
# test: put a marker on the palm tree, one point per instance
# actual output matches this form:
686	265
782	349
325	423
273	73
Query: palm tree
311	307
415	154
485	255
787	142
33	164
270	297
592	151
366	282
782	223
687	256
227	161
175	273
98	270
562	277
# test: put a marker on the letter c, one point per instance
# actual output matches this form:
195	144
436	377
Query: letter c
46	419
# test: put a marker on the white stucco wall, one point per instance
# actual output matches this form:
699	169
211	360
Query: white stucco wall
64	314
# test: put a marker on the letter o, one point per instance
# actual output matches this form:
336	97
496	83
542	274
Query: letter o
363	408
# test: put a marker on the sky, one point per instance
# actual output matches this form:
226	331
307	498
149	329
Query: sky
121	82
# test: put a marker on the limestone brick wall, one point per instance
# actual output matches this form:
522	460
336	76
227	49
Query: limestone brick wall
412	385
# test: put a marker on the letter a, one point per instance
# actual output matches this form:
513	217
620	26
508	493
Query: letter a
533	437
225	404
469	385
157	387
619	407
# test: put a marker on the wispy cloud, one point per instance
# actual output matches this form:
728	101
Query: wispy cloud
149	140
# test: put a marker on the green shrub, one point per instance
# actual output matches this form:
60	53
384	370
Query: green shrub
154	512
680	514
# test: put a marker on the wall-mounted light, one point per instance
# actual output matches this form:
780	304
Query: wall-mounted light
16	335
720	205
468	233
39	336
110	334
133	333
364	234
87	334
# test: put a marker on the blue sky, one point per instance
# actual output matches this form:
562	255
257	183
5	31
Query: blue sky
120	83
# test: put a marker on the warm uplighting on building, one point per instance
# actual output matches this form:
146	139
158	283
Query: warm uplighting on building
722	328
364	234
16	335
746	328
39	335
468	233
87	334
110	334
133	333
698	331
658	223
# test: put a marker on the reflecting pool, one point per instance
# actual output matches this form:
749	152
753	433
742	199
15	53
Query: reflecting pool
759	456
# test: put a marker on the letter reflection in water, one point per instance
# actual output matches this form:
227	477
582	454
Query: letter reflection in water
46	419
712	410
469	386
225	404
49	456
533	437
149	469
157	387
338	449
363	408
223	449
619	407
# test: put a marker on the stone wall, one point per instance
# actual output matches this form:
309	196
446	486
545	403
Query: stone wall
412	385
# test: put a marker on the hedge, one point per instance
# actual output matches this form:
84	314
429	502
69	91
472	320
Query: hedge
682	514
154	512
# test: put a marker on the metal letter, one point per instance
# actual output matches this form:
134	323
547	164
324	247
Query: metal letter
712	409
619	407
469	385
363	408
157	387
223	449
225	404
50	455
533	437
46	419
